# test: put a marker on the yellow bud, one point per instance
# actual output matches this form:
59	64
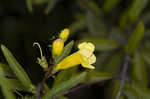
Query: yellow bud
64	34
57	47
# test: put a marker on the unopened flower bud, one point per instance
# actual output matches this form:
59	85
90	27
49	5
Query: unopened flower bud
57	47
64	34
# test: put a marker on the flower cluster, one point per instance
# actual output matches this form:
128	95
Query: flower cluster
83	56
58	44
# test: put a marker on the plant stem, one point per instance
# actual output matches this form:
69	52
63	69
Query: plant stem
123	75
39	87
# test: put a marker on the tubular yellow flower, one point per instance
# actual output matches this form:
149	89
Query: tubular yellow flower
57	47
64	34
84	56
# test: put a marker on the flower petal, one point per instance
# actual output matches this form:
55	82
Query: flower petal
70	61
82	45
92	59
86	65
85	53
86	45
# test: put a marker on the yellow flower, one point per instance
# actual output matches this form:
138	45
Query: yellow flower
84	56
57	47
64	34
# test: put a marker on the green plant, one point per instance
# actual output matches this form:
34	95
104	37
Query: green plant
122	42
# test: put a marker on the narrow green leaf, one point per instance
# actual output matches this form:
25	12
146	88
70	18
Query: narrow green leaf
16	85
123	21
135	39
109	4
64	86
132	13
96	25
113	63
66	51
94	7
139	72
51	5
95	76
102	44
16	67
5	86
29	5
7	71
64	75
136	9
130	92
142	92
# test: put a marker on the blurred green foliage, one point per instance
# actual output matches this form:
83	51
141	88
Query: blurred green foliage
116	27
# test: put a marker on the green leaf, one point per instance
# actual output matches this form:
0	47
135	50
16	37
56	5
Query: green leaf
16	67
51	5
109	4
66	51
64	86
142	92
139	71
135	39
132	13
5	86
130	92
123	21
96	25
29	5
136	9
95	76
113	63
64	75
102	44
94	7
7	71
16	85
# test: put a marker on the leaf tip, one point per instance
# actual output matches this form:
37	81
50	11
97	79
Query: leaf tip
2	46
